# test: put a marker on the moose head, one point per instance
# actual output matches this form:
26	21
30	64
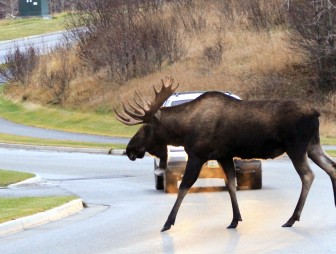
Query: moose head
149	137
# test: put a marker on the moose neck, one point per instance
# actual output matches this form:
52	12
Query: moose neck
171	127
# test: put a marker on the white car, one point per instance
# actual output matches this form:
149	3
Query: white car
248	172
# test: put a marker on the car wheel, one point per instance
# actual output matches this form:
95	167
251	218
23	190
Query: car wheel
249	174
159	182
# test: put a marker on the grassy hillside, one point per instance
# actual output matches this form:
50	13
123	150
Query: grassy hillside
245	47
62	119
22	27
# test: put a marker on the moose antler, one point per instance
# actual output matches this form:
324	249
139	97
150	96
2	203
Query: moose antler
143	111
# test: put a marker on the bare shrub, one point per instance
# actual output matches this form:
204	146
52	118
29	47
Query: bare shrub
329	107
8	8
191	14
214	54
62	5
253	14
314	32
211	55
159	41
55	73
125	39
328	119
19	65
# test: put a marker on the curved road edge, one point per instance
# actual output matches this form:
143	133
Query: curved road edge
64	149
12	128
41	218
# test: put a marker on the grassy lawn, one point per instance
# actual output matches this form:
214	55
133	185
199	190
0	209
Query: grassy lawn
332	153
60	119
12	139
22	27
14	208
66	120
328	140
8	177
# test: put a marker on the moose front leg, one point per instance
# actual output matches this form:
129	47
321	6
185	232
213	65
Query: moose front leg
230	173
190	176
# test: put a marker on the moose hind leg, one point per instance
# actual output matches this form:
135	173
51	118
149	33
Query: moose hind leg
318	156
307	177
190	176
230	173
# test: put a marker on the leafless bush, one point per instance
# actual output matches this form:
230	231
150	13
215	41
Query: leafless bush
213	54
256	14
57	78
314	32
8	8
125	39
191	14
158	41
62	5
19	65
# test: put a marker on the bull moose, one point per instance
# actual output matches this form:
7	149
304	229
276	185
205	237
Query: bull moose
247	129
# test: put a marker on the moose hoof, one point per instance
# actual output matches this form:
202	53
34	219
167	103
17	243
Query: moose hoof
165	228
287	225
234	222
291	222
233	225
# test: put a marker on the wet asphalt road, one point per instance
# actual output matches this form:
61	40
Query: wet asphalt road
42	42
125	213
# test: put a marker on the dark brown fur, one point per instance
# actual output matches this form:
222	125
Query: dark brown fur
218	127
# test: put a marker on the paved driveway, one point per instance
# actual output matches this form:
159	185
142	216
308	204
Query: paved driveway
126	213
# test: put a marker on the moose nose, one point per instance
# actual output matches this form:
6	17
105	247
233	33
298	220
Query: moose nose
132	156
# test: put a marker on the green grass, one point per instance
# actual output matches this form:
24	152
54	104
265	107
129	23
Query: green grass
332	153
328	140
66	120
12	139
8	177
22	27
14	208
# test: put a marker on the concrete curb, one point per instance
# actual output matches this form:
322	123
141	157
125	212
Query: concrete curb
34	180
41	218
